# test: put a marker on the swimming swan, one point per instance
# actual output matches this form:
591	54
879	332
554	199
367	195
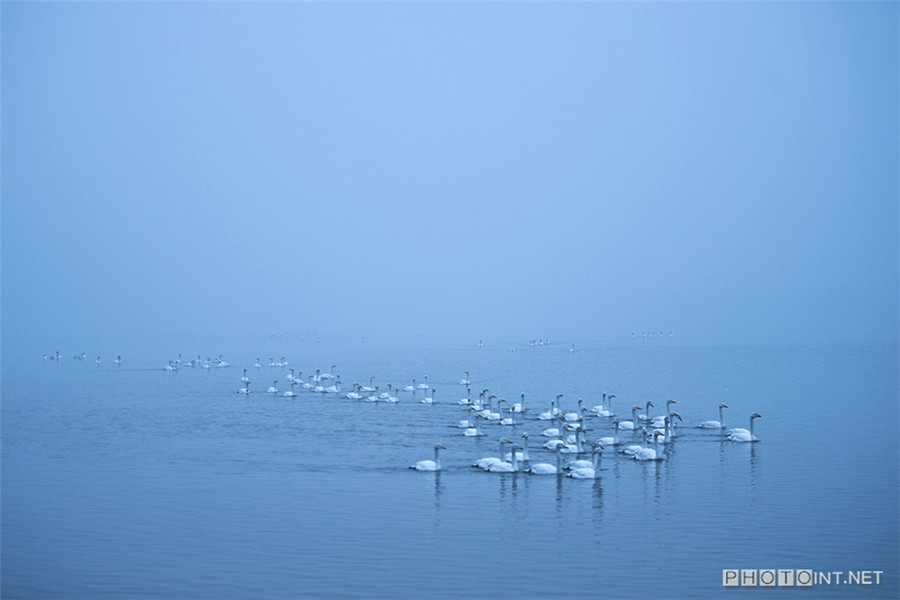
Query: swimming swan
430	465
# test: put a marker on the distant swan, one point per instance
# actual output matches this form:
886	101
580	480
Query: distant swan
548	469
507	467
720	424
430	465
429	399
585	472
273	389
632	424
742	435
486	462
650	453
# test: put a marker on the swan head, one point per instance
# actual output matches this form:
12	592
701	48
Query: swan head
755	416
675	414
670	402
525	435
440	447
598	449
723	406
650	403
558	396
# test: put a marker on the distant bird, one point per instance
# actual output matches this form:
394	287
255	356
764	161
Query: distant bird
430	465
742	435
720	424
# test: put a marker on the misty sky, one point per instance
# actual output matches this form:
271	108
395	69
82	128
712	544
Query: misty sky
576	171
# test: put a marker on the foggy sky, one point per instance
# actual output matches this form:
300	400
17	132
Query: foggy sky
476	171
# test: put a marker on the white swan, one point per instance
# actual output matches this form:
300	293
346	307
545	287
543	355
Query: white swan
611	441
486	462
245	389
468	398
424	386
291	393
660	421
273	389
245	379
632	448
607	411
465	380
474	431
411	388
646	415
589	471
429	399
547	416
430	465
632	424
507	467
742	435
650	453
548	469
523	455
720	424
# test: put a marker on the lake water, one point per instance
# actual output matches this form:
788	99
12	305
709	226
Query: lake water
130	481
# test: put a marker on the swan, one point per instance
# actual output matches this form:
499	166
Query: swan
468	398
611	441
290	376
632	448
474	431
245	389
245	379
507	467
490	415
547	416
720	424
518	407
507	421
486	462
548	469
291	393
411	388
608	411
650	453
742	435
430	399
660	421
354	395
335	388
631	425
523	455
257	364
465	380
553	432
424	386
430	465
369	388
588	471
574	416
668	429
273	389
466	423
98	360
118	360
577	448
646	415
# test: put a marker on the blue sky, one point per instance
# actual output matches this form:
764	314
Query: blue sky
456	171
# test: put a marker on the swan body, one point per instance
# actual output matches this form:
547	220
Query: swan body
518	407
273	389
611	441
742	435
548	469
632	424
511	466
720	424
429	399
649	453
590	470
430	465
486	462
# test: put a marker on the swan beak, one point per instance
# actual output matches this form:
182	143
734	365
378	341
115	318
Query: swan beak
757	415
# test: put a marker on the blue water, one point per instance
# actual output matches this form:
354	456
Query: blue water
131	481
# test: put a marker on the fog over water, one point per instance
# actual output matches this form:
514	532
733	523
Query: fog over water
579	171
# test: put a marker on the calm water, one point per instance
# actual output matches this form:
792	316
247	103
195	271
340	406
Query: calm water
131	481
